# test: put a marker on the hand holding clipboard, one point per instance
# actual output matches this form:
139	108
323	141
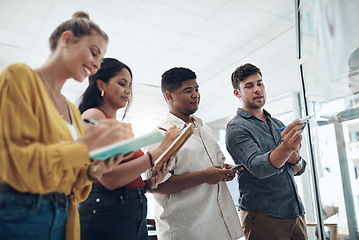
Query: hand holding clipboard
175	146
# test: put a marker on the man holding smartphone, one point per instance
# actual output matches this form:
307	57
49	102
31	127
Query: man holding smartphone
269	202
193	201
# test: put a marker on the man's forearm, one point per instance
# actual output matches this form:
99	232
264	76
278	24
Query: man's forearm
178	183
279	156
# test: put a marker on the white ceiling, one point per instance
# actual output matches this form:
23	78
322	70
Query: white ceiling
211	37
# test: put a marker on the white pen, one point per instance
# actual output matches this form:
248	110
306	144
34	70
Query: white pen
302	120
305	119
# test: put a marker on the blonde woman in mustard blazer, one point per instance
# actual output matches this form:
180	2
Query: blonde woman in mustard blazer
45	170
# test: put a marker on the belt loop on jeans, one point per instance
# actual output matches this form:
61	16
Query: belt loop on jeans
123	192
67	204
140	192
39	200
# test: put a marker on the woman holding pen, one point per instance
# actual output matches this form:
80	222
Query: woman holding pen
44	151
117	206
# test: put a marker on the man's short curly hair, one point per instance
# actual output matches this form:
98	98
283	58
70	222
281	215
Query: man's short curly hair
243	72
172	79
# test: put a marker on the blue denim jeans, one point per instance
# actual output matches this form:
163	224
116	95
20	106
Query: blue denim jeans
113	215
29	217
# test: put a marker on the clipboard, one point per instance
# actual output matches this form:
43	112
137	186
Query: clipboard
126	146
175	146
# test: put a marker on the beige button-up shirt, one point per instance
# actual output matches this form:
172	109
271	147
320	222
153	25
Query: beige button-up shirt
203	212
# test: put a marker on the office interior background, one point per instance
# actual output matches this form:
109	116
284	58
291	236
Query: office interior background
302	48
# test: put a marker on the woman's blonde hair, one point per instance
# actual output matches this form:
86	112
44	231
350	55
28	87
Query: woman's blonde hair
80	25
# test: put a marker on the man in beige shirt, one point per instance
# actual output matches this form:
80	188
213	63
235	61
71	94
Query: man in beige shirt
193	201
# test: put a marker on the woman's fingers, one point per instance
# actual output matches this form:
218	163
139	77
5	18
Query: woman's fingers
119	159
102	167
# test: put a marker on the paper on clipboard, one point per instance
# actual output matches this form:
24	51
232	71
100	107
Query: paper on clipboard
175	146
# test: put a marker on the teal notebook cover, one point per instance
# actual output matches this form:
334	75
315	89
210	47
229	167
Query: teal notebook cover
126	146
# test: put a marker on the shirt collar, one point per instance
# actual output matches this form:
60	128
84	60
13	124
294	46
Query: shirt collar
243	113
180	123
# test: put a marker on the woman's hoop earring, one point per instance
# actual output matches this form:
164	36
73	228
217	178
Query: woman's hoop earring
102	93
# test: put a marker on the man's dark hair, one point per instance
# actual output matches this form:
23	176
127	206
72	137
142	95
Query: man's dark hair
243	72
172	79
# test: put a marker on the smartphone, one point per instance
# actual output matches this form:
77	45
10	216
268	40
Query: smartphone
237	166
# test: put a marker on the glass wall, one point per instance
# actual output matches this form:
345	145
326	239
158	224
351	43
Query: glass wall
328	41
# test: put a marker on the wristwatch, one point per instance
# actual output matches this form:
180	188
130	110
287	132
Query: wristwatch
297	164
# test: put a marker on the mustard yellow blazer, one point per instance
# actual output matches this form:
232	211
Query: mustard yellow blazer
37	154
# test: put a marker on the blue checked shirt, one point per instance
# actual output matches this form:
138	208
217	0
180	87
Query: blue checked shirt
262	187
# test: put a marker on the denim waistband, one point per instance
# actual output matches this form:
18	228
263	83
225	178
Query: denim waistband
123	191
53	196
